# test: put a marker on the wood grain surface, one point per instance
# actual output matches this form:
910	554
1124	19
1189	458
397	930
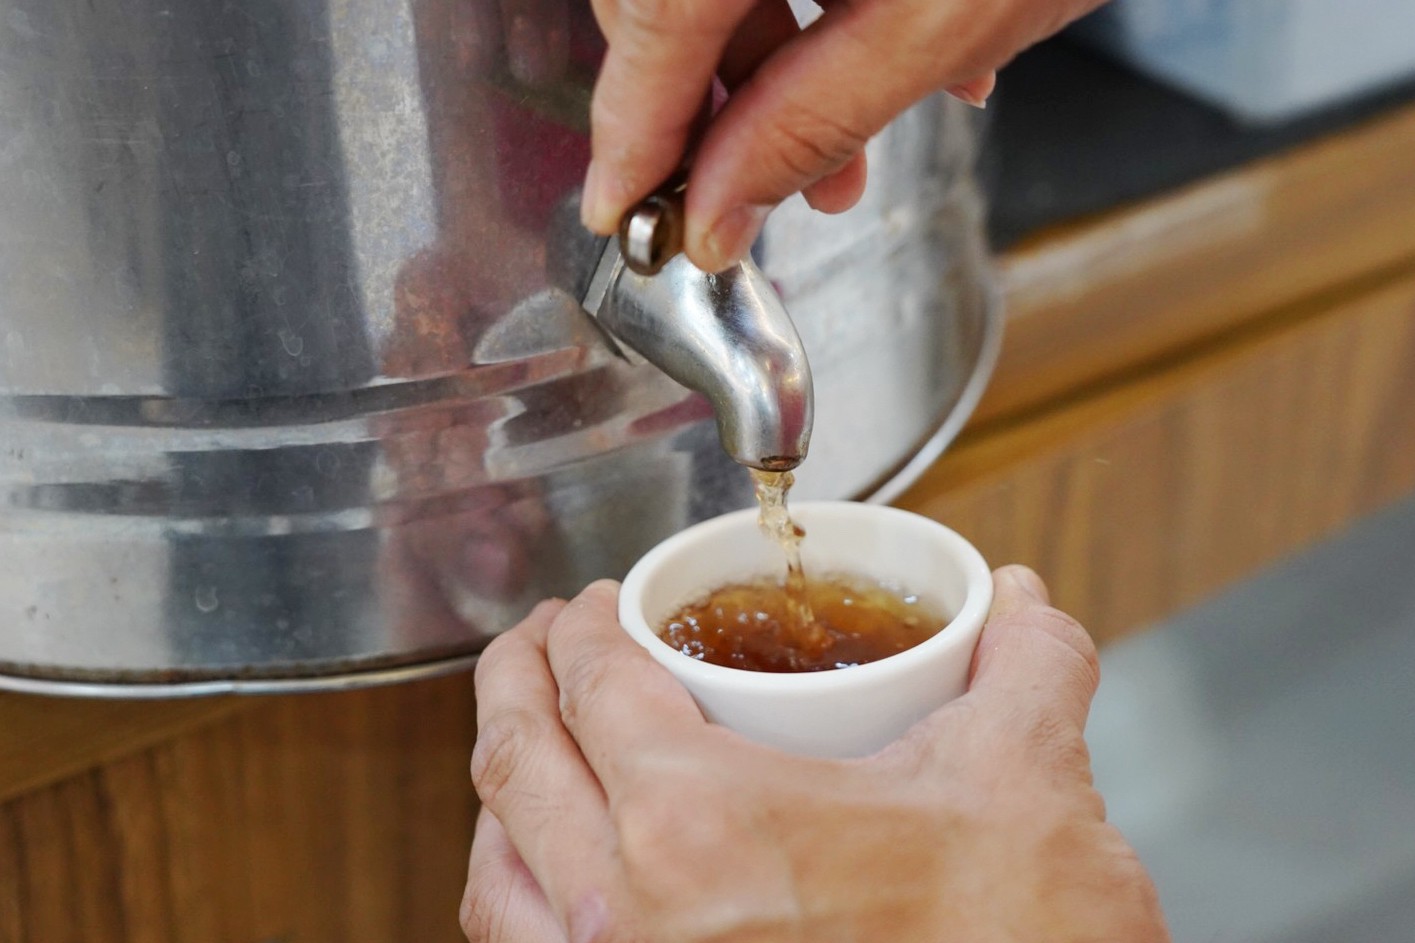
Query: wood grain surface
1150	495
44	739
1110	296
331	818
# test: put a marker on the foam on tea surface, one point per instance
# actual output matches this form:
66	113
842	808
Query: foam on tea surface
752	625
799	623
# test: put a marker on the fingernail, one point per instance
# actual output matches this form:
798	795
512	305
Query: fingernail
967	95
976	91
592	200
729	241
1024	581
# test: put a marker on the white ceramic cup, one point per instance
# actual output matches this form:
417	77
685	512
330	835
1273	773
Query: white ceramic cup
847	712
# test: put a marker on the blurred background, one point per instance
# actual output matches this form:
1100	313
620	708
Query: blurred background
1257	742
1259	750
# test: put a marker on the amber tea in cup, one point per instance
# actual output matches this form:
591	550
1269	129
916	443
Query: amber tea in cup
801	624
754	625
848	713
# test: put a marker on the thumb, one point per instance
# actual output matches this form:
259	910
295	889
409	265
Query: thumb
1033	659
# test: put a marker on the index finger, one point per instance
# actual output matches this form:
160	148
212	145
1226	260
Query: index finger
656	76
502	902
531	776
616	701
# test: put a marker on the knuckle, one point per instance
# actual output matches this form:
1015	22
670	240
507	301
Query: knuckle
546	608
644	831
1069	632
503	750
810	144
485	909
1109	867
616	928
614	109
1058	745
679	828
586	670
581	683
656	838
1091	802
1129	874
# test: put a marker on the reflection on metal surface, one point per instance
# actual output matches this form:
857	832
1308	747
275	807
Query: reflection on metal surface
292	386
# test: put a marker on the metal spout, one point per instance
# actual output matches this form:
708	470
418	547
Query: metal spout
728	337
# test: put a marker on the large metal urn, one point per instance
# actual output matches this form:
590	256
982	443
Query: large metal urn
297	384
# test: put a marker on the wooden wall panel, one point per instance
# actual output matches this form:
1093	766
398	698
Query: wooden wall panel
1101	297
44	740
1148	497
318	818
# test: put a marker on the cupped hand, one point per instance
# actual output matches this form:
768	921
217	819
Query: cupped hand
802	102
614	813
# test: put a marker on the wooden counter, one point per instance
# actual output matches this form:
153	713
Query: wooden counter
1192	387
1189	389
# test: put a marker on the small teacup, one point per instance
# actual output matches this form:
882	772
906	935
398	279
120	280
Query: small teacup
846	712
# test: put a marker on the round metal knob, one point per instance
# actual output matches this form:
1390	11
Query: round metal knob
652	233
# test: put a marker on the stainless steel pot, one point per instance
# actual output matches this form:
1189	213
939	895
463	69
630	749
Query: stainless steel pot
291	390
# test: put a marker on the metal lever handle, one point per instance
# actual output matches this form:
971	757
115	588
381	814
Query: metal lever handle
652	233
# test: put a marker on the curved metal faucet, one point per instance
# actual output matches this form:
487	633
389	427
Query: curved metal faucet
727	335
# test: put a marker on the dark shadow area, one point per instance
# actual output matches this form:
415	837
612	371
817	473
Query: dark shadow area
1071	132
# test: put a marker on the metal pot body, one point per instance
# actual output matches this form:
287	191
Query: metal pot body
290	392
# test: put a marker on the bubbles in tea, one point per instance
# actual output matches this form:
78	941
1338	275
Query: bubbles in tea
800	623
754	625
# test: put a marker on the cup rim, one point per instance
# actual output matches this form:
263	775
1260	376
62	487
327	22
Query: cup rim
968	619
